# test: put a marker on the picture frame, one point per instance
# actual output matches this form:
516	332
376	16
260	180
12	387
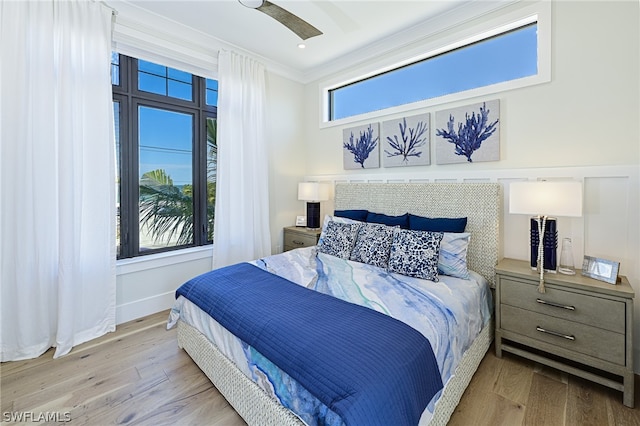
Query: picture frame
301	221
469	133
600	269
405	141
361	147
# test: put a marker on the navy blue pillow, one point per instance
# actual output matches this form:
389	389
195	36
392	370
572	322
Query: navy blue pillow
360	215
437	224
401	221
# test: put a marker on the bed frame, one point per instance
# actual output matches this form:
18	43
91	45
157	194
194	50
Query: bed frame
479	202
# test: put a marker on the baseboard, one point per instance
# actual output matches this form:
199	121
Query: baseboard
143	307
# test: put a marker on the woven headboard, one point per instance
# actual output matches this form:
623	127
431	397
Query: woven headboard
479	202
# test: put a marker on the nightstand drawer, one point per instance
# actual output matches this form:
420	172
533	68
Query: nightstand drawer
298	240
595	311
570	335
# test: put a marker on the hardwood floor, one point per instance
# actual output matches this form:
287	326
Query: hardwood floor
516	391
138	376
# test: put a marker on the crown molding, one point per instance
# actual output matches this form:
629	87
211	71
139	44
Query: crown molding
138	30
416	34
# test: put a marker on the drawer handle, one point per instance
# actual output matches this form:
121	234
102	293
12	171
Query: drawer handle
555	333
556	305
298	242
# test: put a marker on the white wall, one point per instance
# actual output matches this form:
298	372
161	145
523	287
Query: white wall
582	125
587	114
287	164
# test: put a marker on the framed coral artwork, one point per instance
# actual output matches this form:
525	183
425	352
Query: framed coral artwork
406	141
361	147
468	134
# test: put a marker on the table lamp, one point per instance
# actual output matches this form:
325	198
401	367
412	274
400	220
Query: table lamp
313	193
545	199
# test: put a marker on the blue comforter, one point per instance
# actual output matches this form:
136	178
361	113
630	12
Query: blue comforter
369	368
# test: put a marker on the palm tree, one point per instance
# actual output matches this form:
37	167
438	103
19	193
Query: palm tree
166	210
212	172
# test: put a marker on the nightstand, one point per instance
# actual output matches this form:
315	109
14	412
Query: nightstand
579	325
298	236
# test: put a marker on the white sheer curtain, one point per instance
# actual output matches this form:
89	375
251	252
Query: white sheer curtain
57	208
241	228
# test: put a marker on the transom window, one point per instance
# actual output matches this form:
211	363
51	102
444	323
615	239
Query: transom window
506	56
154	78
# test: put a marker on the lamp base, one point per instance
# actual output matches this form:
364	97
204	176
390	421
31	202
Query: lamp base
550	245
313	215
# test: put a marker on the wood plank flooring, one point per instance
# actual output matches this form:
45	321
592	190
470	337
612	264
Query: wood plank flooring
138	376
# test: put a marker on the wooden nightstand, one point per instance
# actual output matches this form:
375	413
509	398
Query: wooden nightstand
297	237
581	326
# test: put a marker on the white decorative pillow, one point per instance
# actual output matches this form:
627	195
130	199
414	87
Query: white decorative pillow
339	239
338	219
415	253
373	245
453	255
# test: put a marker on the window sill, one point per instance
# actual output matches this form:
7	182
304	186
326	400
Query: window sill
152	261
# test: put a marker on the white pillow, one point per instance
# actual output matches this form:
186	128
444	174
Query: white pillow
453	255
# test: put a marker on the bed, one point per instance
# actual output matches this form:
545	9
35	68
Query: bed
254	386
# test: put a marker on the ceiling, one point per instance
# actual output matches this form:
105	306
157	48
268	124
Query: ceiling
348	26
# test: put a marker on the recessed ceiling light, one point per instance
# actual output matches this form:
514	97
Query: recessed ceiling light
253	4
302	45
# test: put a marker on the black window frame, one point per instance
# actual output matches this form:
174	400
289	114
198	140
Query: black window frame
130	99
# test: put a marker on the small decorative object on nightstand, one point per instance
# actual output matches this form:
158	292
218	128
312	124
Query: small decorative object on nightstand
580	325
297	237
566	258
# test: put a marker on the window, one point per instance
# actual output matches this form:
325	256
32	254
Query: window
115	69
165	125
508	55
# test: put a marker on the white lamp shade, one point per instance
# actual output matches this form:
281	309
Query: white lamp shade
313	191
546	198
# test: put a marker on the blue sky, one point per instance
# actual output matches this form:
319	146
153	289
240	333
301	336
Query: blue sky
502	58
166	137
166	143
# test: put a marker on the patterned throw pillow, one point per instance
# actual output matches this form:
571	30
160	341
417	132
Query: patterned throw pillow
373	244
453	255
415	253
328	218
338	239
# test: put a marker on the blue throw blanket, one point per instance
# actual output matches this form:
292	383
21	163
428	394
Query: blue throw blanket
369	368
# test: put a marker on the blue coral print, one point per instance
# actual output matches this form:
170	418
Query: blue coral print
472	138
406	141
360	147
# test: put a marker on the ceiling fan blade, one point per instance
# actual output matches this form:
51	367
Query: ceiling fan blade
303	29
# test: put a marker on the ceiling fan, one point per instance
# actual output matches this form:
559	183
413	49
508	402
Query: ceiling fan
303	29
